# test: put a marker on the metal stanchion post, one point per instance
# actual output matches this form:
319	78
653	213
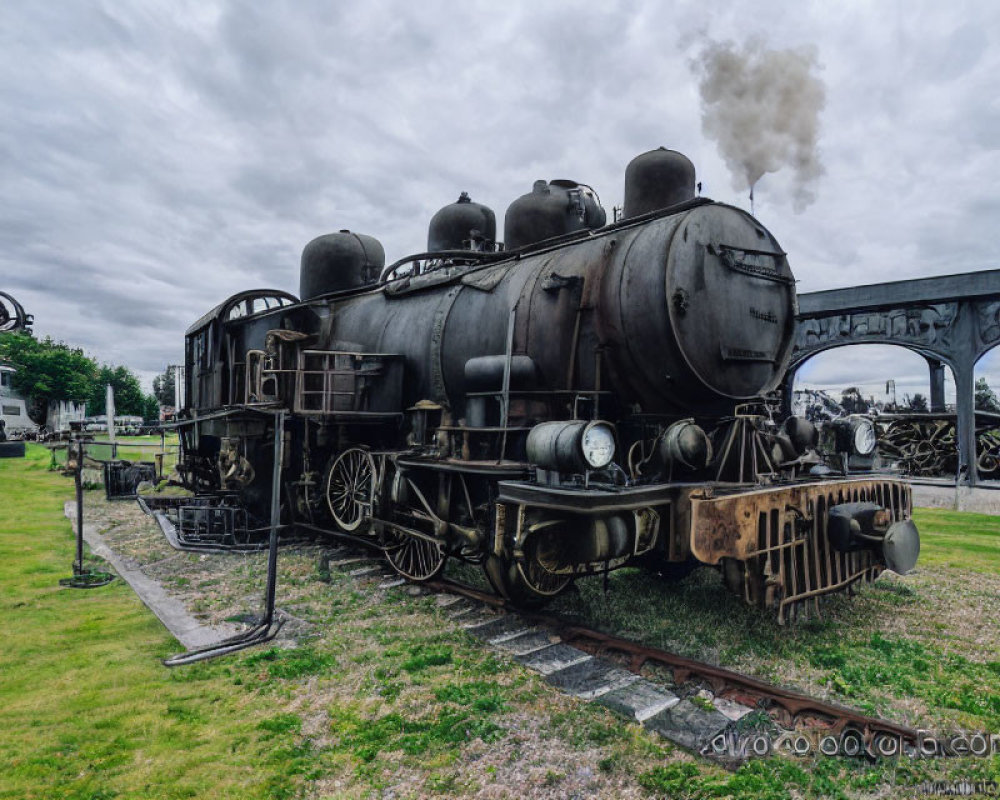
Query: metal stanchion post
267	628
82	579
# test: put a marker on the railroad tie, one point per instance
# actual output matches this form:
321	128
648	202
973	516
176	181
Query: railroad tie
527	642
345	562
640	700
553	658
591	679
500	629
687	724
360	572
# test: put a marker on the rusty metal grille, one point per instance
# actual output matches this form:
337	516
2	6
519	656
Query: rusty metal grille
794	557
212	525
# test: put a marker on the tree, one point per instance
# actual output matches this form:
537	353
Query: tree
918	402
853	402
986	398
129	399
150	407
47	371
163	387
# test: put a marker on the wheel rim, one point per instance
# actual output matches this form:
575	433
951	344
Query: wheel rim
540	580
349	484
528	585
414	557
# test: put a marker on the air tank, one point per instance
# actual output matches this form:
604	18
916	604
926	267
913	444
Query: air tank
338	261
551	209
658	179
462	225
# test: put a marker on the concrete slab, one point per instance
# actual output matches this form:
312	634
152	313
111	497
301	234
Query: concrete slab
188	630
500	629
477	618
591	679
640	700
957	498
361	572
553	658
392	583
467	611
346	562
730	708
687	724
530	642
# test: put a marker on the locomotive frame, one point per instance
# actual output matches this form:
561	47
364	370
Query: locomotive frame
585	401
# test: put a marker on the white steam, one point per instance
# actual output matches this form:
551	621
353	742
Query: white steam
762	107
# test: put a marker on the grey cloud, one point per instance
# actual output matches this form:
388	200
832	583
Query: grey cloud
169	154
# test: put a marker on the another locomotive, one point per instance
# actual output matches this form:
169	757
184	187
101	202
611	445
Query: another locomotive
586	397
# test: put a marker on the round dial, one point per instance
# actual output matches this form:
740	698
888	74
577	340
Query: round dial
864	438
598	446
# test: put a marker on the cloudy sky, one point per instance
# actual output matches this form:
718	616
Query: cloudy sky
160	156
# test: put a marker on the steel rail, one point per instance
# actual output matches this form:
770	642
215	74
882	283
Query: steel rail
793	706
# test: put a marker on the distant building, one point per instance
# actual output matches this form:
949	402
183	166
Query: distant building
62	412
14	409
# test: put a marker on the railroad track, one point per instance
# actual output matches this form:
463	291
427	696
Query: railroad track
607	669
718	721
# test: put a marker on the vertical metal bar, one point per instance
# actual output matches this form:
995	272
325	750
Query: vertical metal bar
571	369
78	480
598	353
505	399
272	551
743	442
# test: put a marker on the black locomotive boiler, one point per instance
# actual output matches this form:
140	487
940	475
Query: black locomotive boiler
584	397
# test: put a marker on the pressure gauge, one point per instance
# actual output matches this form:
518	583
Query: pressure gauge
598	445
864	437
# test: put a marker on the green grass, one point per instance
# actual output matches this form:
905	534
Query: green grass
958	539
901	667
440	730
292	663
921	672
87	710
384	695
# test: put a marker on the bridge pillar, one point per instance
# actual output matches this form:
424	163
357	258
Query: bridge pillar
965	424
937	383
787	390
964	367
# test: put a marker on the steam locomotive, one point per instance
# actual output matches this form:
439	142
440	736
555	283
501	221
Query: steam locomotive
586	396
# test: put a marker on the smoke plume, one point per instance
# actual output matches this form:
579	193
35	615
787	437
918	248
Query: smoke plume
762	107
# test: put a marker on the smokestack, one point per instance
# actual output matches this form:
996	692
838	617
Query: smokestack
762	108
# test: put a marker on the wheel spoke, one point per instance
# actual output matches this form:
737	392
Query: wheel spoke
413	557
349	487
